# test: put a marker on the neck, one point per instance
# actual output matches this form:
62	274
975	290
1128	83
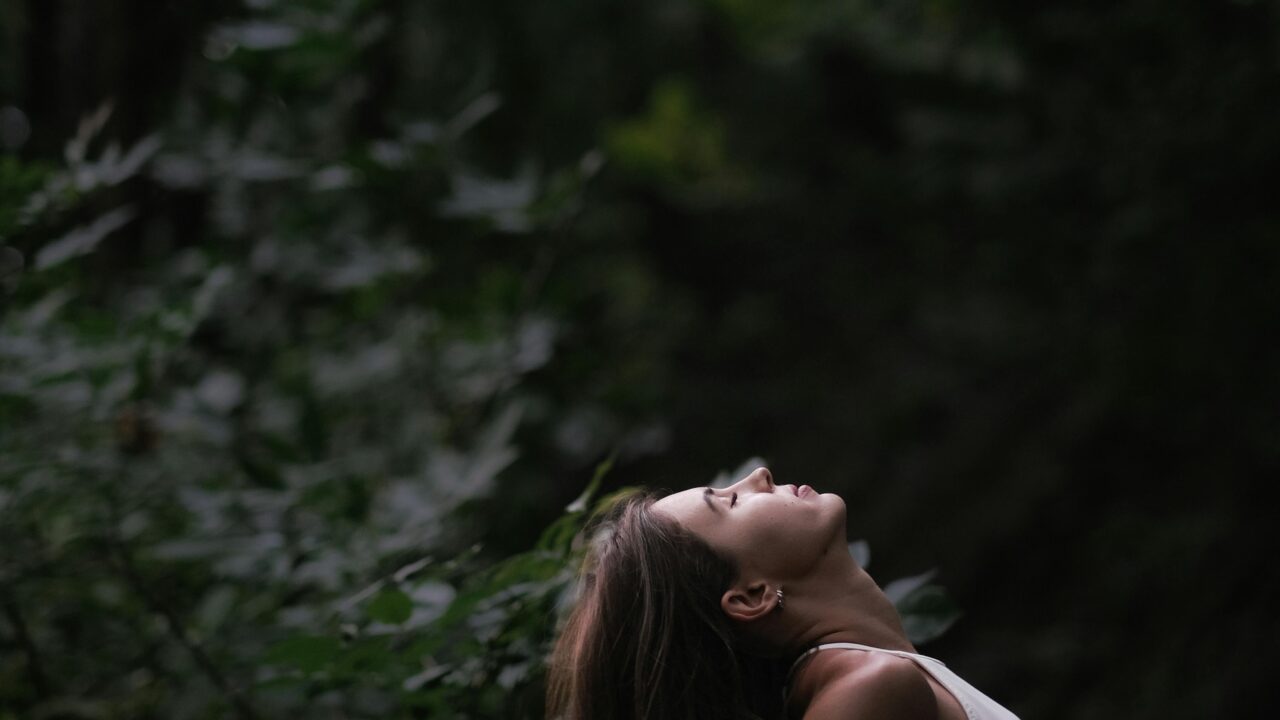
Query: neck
841	604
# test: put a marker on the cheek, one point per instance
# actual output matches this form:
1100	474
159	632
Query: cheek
792	533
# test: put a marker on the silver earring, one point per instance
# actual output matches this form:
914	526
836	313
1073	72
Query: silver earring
781	600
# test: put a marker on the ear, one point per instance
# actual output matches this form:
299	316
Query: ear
749	601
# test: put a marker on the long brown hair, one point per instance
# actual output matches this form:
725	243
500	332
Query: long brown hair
647	639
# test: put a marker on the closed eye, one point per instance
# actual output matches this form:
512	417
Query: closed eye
734	500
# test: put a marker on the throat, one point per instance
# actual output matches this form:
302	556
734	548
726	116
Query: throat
852	609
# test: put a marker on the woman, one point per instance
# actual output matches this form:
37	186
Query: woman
686	598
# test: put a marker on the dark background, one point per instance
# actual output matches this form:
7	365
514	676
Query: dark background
1003	275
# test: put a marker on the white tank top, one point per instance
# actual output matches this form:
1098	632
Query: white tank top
976	705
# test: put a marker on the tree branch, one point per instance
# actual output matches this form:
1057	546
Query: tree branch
176	629
35	666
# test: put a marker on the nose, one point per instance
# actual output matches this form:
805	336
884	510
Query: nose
760	480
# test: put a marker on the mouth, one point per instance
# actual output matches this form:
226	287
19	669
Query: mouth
803	491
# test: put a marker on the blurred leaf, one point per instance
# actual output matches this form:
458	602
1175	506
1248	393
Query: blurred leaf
475	111
308	653
677	141
390	606
504	202
19	181
581	502
216	608
221	391
927	613
430	601
899	589
77	147
861	552
258	35
83	239
11	262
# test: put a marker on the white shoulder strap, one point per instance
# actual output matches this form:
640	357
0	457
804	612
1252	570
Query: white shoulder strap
825	646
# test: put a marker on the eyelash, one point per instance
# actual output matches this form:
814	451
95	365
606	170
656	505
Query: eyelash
734	500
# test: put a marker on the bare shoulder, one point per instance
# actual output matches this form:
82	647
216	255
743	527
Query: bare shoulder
875	685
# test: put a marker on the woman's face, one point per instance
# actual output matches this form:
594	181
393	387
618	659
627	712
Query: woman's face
775	531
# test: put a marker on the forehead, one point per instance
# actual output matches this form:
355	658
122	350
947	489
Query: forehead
689	507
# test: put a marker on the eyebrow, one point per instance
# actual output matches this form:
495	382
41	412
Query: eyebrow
706	495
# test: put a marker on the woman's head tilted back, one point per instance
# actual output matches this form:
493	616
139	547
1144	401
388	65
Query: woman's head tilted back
673	589
647	638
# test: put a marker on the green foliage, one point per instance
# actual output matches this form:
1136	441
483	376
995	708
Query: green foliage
218	422
674	142
18	181
202	453
452	639
320	312
391	606
927	609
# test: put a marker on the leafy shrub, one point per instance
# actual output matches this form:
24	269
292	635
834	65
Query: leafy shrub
269	354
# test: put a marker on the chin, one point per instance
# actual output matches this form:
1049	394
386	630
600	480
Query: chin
836	501
834	507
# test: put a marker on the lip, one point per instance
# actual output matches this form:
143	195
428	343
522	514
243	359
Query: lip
804	491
